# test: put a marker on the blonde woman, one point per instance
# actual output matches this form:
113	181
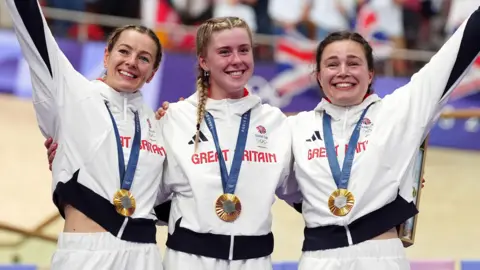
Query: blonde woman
229	155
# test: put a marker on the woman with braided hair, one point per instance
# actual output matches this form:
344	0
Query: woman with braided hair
228	155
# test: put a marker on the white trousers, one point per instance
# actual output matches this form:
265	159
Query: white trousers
370	255
103	251
176	260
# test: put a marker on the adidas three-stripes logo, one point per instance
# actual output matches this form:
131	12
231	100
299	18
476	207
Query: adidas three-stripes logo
201	138
315	136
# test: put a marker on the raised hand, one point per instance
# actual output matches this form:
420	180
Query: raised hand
163	110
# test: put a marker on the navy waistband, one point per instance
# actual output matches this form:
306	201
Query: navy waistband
100	210
362	229
218	246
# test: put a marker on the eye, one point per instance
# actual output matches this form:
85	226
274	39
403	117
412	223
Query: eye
145	59
245	50
353	63
224	52
123	51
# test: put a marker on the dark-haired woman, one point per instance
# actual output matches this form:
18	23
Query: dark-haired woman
354	152
108	165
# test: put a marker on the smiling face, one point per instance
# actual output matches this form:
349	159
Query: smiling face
344	72
131	61
229	60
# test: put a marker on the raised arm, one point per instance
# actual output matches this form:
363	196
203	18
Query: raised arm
422	99
50	70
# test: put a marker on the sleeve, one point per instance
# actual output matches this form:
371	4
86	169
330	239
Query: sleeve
419	102
164	196
289	190
163	202
49	68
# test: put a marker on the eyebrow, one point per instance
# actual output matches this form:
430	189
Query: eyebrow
228	47
130	47
334	57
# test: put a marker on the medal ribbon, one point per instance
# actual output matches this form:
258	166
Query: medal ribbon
229	182
126	176
341	177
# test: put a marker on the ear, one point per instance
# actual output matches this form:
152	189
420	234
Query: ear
106	55
151	76
319	81
203	63
371	74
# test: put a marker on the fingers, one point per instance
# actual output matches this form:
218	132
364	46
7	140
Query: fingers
51	157
165	105
48	142
181	99
423	182
51	152
160	113
52	148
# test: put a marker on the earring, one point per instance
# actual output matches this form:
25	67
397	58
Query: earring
206	73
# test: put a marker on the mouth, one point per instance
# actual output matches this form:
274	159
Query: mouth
344	86
127	75
236	73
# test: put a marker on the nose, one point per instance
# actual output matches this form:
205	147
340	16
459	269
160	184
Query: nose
236	58
343	72
131	60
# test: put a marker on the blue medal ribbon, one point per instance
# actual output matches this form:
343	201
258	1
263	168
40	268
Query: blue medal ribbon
341	177
229	182
126	176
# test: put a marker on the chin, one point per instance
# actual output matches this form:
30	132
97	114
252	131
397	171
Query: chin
127	88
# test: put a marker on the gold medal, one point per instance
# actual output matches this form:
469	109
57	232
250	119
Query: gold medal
228	207
341	202
124	202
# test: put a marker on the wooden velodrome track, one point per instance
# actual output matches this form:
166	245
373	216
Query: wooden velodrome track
448	224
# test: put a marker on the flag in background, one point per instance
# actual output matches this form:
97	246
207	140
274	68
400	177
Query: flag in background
367	25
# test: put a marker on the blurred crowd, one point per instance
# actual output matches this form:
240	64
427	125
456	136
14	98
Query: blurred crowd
407	24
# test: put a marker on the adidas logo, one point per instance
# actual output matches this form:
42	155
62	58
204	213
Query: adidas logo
201	138
315	136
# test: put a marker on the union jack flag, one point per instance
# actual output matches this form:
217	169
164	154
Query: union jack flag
367	25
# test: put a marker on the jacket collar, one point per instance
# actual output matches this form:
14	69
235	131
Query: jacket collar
121	100
338	112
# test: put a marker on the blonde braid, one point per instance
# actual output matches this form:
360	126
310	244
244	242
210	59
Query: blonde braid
202	41
202	92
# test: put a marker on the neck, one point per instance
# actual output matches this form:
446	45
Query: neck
216	93
103	79
348	105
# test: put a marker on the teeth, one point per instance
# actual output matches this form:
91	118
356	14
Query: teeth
236	73
127	74
343	85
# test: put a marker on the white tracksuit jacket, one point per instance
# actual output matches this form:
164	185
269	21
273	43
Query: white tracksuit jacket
195	181
391	133
72	111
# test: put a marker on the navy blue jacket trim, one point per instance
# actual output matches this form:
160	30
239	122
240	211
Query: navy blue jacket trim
362	229
298	207
162	211
218	246
468	50
32	18
100	210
